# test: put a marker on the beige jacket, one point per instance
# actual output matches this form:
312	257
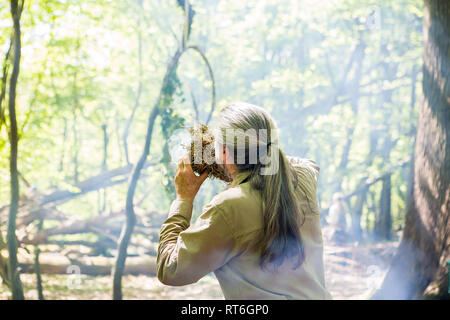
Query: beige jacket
222	240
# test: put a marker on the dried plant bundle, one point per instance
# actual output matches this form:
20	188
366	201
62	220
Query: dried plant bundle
201	135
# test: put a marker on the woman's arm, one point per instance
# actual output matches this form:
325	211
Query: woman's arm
187	252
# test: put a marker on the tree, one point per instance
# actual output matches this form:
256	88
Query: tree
16	285
162	103
419	266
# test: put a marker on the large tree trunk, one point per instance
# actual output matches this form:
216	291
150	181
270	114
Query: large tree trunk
419	266
16	285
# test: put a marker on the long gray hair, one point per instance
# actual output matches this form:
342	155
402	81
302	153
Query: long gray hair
281	237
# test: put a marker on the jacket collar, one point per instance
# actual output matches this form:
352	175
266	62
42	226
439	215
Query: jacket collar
241	176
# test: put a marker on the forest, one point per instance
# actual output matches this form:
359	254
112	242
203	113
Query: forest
93	92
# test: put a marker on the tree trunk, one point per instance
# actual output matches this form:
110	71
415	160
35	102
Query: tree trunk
356	211
4	269
129	207
37	266
5	68
383	223
103	193
354	103
139	87
16	284
75	133
160	104
420	261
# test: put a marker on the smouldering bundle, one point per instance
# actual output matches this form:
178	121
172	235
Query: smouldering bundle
201	135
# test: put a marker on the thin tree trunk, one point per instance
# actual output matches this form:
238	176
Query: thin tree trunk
383	223
356	211
213	82
362	187
5	66
3	263
129	207
354	102
57	100
63	147
104	166
356	58
4	272
75	107
139	88
75	133
37	265
419	266
157	108
5	70
16	284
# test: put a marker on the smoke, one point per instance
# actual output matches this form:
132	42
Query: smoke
178	144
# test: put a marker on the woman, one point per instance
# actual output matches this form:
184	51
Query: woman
261	237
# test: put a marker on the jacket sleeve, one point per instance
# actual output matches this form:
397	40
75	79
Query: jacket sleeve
188	252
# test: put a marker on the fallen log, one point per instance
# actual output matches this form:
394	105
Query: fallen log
70	227
98	224
102	180
95	267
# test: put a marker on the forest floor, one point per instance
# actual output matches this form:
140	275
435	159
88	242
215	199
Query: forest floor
352	271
